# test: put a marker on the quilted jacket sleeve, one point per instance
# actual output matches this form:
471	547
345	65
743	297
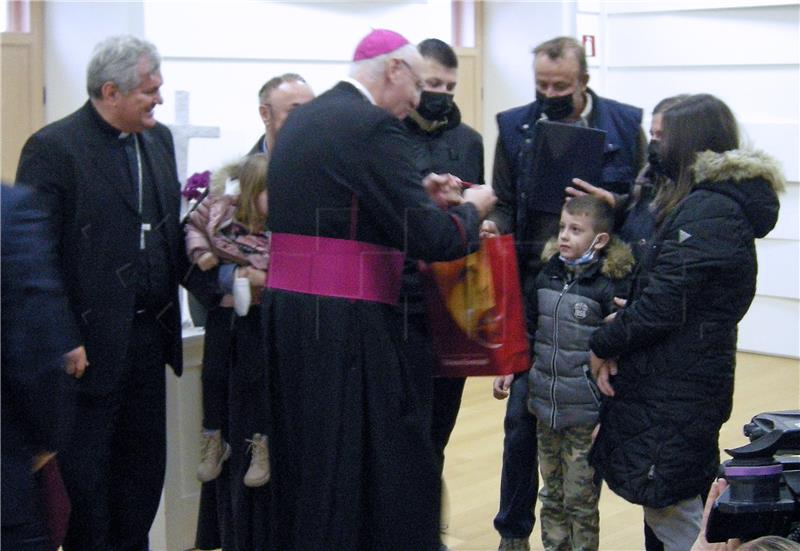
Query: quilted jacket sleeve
701	249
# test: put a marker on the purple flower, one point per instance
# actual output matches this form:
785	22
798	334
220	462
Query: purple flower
196	185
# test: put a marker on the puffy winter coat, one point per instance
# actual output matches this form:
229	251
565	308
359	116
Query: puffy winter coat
452	147
676	339
212	228
565	309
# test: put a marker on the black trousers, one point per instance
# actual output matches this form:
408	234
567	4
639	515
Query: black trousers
231	515
447	393
30	536
519	482
114	466
234	374
217	355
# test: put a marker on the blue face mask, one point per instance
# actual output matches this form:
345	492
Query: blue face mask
586	258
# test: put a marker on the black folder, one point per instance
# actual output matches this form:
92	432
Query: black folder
562	152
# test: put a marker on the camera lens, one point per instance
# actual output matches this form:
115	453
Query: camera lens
753	481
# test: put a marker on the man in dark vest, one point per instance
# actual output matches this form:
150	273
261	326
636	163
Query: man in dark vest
109	183
562	94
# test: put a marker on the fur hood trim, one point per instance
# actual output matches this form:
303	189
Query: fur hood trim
617	257
738	165
221	175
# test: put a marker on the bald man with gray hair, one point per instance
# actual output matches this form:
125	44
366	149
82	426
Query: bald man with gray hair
278	97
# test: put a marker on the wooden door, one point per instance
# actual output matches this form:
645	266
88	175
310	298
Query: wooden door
469	92
21	82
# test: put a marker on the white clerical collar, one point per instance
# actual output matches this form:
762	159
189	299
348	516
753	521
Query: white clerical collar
361	88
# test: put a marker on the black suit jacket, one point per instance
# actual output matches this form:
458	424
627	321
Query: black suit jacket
257	146
37	398
88	194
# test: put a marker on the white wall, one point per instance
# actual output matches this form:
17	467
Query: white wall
511	31
745	53
71	30
222	52
231	52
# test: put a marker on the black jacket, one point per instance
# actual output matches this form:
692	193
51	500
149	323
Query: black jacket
259	146
37	395
638	221
676	339
453	148
71	161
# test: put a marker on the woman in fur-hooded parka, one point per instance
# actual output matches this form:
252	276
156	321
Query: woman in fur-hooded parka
675	342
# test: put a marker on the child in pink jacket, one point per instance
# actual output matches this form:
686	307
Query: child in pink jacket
230	230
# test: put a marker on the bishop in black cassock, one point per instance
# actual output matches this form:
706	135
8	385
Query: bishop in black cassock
353	464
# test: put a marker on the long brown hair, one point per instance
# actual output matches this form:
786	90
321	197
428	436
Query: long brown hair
647	176
252	181
700	122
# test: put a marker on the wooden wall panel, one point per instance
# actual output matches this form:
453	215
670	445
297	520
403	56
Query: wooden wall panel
21	90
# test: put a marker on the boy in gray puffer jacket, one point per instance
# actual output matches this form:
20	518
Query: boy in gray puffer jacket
585	268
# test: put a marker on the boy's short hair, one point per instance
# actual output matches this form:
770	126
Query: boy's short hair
600	212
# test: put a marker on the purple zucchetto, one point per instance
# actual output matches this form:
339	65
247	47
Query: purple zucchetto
378	42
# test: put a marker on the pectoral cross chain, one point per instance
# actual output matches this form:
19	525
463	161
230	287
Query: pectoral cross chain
145	228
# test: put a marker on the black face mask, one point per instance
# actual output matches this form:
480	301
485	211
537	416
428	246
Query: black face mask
654	156
557	108
655	159
434	106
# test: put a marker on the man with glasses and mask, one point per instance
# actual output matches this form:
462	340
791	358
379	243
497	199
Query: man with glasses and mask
442	144
276	99
562	94
353	464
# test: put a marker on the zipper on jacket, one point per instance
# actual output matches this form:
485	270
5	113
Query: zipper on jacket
554	407
587	375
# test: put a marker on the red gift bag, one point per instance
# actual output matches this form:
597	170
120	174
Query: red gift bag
475	312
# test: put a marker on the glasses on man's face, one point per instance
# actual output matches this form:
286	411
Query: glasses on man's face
418	83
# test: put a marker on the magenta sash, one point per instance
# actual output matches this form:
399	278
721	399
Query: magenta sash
335	268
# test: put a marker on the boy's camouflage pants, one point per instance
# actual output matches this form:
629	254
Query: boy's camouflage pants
569	517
